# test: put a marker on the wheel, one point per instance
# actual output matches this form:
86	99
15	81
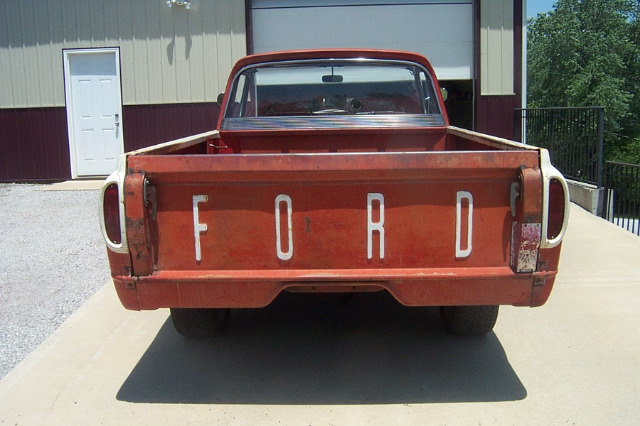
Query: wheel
198	323
469	320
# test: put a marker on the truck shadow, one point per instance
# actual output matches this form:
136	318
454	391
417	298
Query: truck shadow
305	350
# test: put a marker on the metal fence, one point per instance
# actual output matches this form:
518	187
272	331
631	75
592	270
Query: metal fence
573	136
622	195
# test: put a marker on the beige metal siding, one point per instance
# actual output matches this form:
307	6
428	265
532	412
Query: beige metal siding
168	55
496	47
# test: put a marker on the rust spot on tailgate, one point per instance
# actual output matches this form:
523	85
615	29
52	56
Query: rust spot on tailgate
137	225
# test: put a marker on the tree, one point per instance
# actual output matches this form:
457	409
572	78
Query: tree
587	53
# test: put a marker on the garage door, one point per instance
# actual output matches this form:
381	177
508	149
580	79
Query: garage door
440	30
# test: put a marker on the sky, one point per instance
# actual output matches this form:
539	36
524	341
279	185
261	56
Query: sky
539	6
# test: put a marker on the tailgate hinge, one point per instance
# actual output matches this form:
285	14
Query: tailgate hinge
211	142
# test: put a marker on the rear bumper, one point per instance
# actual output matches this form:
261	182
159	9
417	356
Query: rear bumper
411	287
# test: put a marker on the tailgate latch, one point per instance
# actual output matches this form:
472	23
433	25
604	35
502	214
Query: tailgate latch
515	193
150	198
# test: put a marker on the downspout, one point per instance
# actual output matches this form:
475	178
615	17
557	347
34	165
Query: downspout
525	26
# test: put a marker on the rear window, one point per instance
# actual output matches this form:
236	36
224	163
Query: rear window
315	91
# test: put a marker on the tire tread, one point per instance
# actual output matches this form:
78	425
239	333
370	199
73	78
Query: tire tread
198	323
469	320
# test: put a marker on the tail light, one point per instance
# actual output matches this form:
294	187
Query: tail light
529	235
556	209
111	212
112	215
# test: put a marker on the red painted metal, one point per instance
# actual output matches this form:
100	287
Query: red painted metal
240	266
411	287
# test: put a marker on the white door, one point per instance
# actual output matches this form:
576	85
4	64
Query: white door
94	110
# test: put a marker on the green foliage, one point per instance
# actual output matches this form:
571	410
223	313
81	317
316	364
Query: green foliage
587	53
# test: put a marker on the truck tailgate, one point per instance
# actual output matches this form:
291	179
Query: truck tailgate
270	222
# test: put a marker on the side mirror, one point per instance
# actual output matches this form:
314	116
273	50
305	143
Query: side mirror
445	94
220	98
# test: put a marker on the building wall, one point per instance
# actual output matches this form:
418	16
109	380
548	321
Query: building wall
496	47
168	55
498	80
174	63
34	144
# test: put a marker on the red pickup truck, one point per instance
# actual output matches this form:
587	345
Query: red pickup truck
334	171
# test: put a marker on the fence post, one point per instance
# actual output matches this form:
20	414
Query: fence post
519	125
600	146
607	211
552	132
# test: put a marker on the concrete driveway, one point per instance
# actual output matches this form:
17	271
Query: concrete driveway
304	361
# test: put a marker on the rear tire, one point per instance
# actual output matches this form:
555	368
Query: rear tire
469	320
198	323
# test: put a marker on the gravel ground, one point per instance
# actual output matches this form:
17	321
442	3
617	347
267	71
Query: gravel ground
52	259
